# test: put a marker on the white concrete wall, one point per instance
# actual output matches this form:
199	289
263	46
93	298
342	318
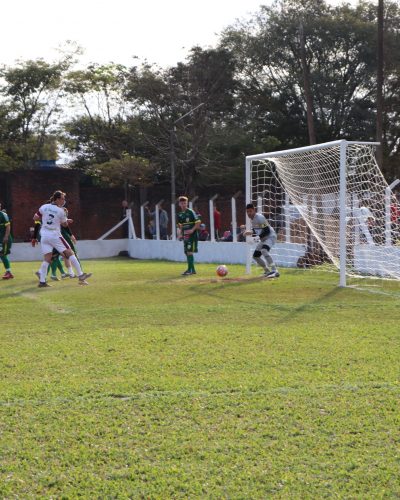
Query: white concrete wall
87	249
377	260
284	254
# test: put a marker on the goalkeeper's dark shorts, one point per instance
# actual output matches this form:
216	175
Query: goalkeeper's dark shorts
191	245
5	248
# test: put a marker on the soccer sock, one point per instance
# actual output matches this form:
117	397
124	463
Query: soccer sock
261	262
6	262
60	266
270	261
53	267
74	261
69	268
191	262
43	271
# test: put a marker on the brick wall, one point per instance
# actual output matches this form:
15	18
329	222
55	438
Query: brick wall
94	210
29	189
100	210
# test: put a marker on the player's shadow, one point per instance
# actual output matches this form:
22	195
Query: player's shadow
202	288
20	293
288	311
311	305
167	279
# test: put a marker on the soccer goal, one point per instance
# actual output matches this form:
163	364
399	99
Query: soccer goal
332	201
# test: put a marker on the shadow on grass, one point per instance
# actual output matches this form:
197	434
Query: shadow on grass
291	311
22	292
305	306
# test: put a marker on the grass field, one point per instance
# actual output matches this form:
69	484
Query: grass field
146	384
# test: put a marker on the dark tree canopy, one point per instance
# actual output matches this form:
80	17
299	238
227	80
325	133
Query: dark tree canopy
246	95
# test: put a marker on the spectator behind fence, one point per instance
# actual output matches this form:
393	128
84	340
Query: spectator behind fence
217	222
163	217
203	233
227	236
163	222
197	211
240	233
125	205
395	218
152	228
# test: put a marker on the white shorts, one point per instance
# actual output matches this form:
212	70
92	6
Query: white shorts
270	241
50	240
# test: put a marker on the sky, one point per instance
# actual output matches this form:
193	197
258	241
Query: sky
159	31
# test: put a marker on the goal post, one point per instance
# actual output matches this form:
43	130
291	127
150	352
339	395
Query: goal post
330	203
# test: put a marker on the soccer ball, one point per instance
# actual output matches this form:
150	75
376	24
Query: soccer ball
222	270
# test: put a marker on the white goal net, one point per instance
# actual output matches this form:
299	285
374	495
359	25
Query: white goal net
329	204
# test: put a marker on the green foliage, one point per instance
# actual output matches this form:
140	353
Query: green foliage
130	170
32	91
246	95
192	102
341	52
101	133
149	385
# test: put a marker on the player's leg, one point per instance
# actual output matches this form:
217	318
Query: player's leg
194	245
258	257
73	248
64	249
190	247
53	265
7	266
47	244
190	258
5	251
265	250
186	251
75	262
70	271
42	273
60	266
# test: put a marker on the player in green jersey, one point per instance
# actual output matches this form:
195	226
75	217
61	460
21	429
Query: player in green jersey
188	224
5	243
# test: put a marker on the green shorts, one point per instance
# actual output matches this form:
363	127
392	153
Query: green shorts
190	245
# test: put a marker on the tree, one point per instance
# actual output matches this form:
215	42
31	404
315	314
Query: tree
31	93
129	170
340	54
163	97
98	132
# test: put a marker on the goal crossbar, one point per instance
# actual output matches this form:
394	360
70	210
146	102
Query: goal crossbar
284	152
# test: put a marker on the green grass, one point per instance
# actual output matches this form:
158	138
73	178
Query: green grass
146	384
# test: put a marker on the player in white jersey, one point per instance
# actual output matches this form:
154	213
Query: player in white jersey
266	234
53	216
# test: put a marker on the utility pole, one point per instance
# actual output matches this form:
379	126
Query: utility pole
307	87
172	150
